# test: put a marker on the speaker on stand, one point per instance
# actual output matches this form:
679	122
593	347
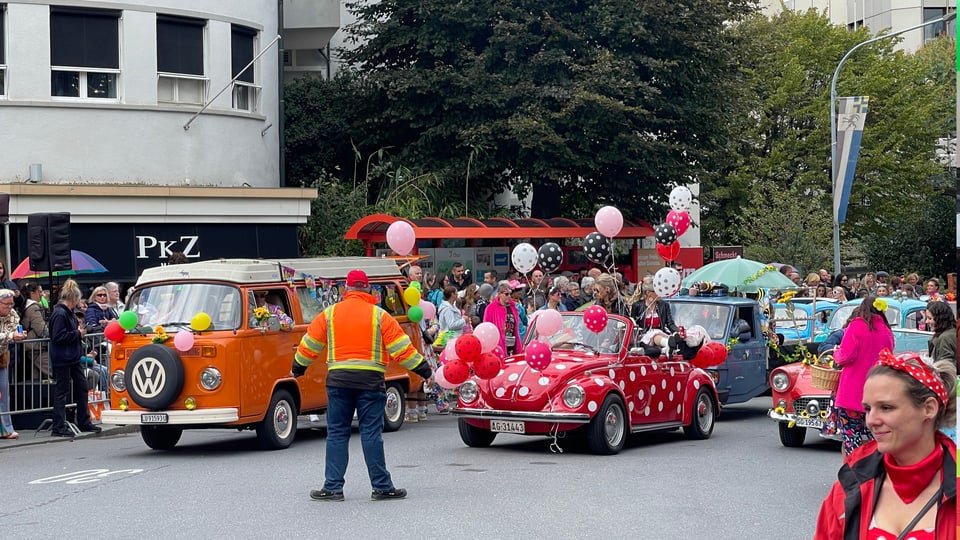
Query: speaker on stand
48	244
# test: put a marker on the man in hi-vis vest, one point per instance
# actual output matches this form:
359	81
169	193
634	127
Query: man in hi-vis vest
358	338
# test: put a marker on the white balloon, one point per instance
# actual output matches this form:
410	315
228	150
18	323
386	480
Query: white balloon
666	282
680	198
524	257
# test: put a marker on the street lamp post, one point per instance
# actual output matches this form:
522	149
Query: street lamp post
833	122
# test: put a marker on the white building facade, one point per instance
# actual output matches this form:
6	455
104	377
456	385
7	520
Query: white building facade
878	15
140	114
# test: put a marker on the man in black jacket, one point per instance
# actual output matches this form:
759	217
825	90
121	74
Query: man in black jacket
66	334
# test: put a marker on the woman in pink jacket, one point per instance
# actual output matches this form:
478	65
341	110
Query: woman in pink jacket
502	312
868	333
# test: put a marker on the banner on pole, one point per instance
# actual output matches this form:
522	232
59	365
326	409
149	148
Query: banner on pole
850	119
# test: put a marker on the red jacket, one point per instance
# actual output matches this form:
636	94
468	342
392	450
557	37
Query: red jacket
846	512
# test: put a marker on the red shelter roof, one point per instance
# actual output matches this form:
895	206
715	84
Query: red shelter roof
373	228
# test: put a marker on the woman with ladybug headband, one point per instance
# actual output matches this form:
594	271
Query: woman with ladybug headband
902	484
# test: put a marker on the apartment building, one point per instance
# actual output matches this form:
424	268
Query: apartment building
156	123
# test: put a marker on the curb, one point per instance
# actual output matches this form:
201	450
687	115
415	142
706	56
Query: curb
33	438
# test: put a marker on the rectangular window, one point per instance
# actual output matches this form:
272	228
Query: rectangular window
246	94
84	53
932	31
180	60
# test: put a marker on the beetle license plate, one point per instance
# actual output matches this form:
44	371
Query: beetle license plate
809	422
501	426
153	418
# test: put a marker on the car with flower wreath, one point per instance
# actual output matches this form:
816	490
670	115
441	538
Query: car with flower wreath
200	353
593	383
801	319
799	405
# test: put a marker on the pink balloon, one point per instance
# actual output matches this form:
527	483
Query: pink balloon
501	354
429	310
442	358
595	318
183	341
609	221
549	322
400	237
488	335
441	379
680	221
538	355
451	349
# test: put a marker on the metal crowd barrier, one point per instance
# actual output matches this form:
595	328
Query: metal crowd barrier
32	385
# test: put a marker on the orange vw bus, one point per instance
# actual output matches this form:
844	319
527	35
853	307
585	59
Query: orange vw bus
236	372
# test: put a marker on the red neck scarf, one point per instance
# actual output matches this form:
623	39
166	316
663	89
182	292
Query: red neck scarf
910	480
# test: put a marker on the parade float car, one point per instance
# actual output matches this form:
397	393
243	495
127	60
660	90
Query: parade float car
901	313
798	405
596	385
737	323
168	375
800	320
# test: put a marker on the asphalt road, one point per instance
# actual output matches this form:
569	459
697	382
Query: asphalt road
739	484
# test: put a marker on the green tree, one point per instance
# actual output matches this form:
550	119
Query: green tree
612	98
780	162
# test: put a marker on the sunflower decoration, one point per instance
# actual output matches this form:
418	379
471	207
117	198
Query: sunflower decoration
880	305
160	335
261	313
732	342
780	410
804	414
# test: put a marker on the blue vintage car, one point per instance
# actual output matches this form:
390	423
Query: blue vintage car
901	313
743	375
802	319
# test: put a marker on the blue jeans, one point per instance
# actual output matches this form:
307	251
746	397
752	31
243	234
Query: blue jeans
369	404
6	425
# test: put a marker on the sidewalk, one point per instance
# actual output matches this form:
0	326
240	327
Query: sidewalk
31	437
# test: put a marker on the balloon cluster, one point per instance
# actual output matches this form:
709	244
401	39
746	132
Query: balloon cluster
666	282
478	352
596	245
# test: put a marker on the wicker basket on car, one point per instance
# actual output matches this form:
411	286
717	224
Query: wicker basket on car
825	378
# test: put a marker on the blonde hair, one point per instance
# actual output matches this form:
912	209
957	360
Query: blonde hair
69	291
93	294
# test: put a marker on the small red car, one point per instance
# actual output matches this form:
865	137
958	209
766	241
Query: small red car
798	405
596	385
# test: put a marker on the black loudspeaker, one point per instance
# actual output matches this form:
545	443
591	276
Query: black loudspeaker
48	242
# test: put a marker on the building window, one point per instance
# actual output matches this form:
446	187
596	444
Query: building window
3	53
246	94
180	60
935	30
84	53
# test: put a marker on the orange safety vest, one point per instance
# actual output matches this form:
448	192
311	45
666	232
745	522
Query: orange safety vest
357	334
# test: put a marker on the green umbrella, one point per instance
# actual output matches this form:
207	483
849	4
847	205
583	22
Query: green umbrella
741	275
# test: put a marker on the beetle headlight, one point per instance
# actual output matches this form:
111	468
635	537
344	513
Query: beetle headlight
210	379
116	381
780	381
469	392
573	396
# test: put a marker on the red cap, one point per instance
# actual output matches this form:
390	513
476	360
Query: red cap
357	278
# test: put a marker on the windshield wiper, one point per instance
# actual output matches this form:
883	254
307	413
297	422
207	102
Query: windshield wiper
177	323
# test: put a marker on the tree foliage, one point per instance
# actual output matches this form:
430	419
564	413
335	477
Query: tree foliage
778	168
615	98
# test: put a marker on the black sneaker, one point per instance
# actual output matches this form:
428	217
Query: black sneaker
64	433
91	429
386	495
324	495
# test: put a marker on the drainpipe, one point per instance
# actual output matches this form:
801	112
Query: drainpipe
280	94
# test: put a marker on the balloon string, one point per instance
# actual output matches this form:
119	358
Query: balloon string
555	446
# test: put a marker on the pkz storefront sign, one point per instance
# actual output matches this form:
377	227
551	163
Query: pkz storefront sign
151	247
722	253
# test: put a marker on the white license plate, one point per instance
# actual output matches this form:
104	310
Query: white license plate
809	422
153	418
501	426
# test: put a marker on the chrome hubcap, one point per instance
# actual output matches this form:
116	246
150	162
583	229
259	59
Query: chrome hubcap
393	405
704	413
613	425
281	419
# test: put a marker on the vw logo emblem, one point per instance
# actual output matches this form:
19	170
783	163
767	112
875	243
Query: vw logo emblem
148	377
